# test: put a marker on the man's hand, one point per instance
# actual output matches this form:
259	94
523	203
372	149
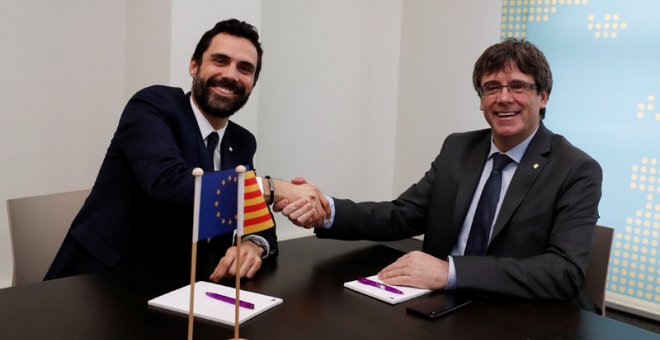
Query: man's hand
303	203
250	262
416	269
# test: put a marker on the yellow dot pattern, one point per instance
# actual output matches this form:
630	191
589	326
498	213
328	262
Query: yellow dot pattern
647	109
608	27
517	14
635	261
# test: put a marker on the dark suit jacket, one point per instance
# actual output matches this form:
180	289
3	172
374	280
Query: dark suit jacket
541	239
139	212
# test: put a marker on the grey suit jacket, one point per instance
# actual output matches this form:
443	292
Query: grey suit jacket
542	237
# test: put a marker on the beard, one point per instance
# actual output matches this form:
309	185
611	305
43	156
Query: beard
215	104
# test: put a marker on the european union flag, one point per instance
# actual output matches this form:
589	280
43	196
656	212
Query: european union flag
218	203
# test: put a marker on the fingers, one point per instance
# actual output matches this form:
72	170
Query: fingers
302	202
299	188
393	270
291	209
400	281
304	214
326	207
250	263
280	205
249	267
416	269
252	269
310	219
250	259
224	265
317	218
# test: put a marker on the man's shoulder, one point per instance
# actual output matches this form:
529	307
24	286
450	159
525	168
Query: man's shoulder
239	133
161	91
467	138
559	150
474	134
162	100
560	145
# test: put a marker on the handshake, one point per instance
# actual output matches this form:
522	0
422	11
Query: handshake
302	202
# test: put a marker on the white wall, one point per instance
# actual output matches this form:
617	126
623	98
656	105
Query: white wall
62	70
356	95
441	40
148	32
329	95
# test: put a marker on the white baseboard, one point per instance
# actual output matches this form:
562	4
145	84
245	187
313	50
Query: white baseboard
630	305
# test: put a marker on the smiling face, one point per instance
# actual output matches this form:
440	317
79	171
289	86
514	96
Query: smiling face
223	82
512	116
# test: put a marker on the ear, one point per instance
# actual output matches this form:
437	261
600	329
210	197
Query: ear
193	68
544	99
481	103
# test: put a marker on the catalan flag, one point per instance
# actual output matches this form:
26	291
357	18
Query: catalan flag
217	204
257	216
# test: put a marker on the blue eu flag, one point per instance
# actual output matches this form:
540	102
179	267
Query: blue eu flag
218	203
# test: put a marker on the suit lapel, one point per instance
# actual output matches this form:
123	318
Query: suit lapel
469	180
227	149
195	145
531	165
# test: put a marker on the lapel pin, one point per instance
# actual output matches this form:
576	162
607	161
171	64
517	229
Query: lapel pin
536	165
231	149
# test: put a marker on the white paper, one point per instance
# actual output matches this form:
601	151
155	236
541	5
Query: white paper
383	295
211	309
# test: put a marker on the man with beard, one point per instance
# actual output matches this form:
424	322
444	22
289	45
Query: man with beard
139	212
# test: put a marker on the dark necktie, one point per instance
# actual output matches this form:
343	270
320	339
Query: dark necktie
211	143
483	217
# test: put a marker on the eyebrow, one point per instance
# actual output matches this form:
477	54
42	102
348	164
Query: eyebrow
512	81
218	56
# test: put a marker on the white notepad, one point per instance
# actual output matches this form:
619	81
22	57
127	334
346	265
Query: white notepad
211	309
383	295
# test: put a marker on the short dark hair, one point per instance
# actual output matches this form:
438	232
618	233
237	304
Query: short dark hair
522	53
233	27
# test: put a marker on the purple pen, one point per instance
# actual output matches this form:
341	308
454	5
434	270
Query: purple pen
378	285
231	300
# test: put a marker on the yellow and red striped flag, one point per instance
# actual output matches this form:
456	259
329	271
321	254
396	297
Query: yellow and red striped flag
257	216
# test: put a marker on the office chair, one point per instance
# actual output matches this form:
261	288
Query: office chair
596	277
37	226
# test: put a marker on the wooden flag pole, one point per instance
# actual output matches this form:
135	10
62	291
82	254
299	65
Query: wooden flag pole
239	235
198	173
238	287
191	309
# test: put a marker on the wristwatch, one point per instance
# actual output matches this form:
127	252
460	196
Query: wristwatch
260	241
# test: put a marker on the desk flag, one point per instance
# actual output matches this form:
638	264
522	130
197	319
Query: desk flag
224	201
257	216
217	202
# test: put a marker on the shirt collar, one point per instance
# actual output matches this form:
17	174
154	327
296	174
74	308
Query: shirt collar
205	128
517	152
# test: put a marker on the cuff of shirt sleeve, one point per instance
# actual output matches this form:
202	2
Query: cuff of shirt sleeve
261	185
327	222
261	242
451	277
